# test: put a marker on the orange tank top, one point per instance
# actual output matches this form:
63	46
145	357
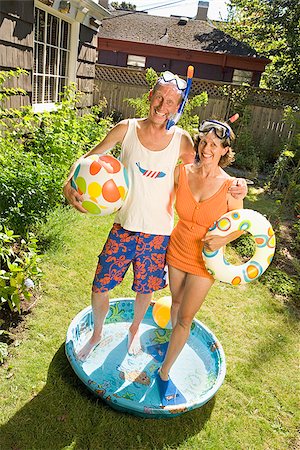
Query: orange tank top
195	218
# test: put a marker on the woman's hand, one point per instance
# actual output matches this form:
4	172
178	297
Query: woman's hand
214	242
73	197
238	189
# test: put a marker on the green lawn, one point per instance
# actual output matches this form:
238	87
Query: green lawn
44	406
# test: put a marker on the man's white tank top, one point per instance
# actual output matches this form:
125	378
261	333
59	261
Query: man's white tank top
148	207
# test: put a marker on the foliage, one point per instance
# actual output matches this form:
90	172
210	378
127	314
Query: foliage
123	6
5	75
244	246
296	243
188	121
280	283
18	265
246	156
285	178
141	104
247	152
273	29
36	152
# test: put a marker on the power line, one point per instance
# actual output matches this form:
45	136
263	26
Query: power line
157	4
125	13
160	6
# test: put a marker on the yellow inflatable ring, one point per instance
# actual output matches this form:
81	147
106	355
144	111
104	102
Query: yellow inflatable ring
262	231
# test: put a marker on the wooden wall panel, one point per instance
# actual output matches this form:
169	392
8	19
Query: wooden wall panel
21	9
86	101
85	70
16	31
85	85
87	54
17	101
23	82
13	57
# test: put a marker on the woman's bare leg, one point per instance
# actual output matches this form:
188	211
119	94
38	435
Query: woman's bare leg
195	291
177	280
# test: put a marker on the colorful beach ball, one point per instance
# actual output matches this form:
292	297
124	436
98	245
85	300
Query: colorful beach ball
162	312
102	180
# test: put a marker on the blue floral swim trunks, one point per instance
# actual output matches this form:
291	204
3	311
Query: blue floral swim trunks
146	252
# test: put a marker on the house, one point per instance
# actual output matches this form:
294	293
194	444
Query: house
56	42
136	39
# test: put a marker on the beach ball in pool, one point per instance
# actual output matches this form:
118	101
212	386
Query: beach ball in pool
102	180
162	312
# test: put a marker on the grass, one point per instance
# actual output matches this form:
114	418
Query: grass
45	406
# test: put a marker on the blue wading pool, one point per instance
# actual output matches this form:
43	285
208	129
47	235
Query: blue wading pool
127	382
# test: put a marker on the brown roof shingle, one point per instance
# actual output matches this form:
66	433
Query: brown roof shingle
194	35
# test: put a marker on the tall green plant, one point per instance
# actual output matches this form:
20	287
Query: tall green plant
247	153
18	268
36	152
286	175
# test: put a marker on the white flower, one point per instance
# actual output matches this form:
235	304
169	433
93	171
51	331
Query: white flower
29	283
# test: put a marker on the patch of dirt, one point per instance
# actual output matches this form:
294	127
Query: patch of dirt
13	322
286	257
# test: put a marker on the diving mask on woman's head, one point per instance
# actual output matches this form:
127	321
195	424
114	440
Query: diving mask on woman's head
169	77
221	130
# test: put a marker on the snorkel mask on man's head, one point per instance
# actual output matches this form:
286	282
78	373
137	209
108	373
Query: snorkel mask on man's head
183	86
169	77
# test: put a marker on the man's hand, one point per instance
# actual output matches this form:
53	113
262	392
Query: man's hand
238	189
73	197
213	242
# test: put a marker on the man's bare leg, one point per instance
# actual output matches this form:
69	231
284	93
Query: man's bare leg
142	301
100	305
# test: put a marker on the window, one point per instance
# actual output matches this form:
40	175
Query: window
136	61
241	76
51	56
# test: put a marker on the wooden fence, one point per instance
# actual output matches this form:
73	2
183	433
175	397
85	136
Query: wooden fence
266	107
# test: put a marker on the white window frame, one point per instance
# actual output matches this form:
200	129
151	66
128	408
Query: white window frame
241	76
72	58
136	61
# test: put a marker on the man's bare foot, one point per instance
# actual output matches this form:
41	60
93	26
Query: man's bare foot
87	349
134	343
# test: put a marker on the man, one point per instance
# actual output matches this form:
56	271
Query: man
143	225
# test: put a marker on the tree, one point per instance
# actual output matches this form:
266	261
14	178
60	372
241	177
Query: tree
272	27
124	6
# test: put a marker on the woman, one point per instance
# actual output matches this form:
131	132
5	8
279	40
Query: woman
201	198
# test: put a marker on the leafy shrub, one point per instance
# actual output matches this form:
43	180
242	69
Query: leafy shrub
296	243
37	151
246	156
244	246
281	283
286	175
18	265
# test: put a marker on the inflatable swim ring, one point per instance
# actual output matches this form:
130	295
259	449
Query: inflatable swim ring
264	237
127	382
